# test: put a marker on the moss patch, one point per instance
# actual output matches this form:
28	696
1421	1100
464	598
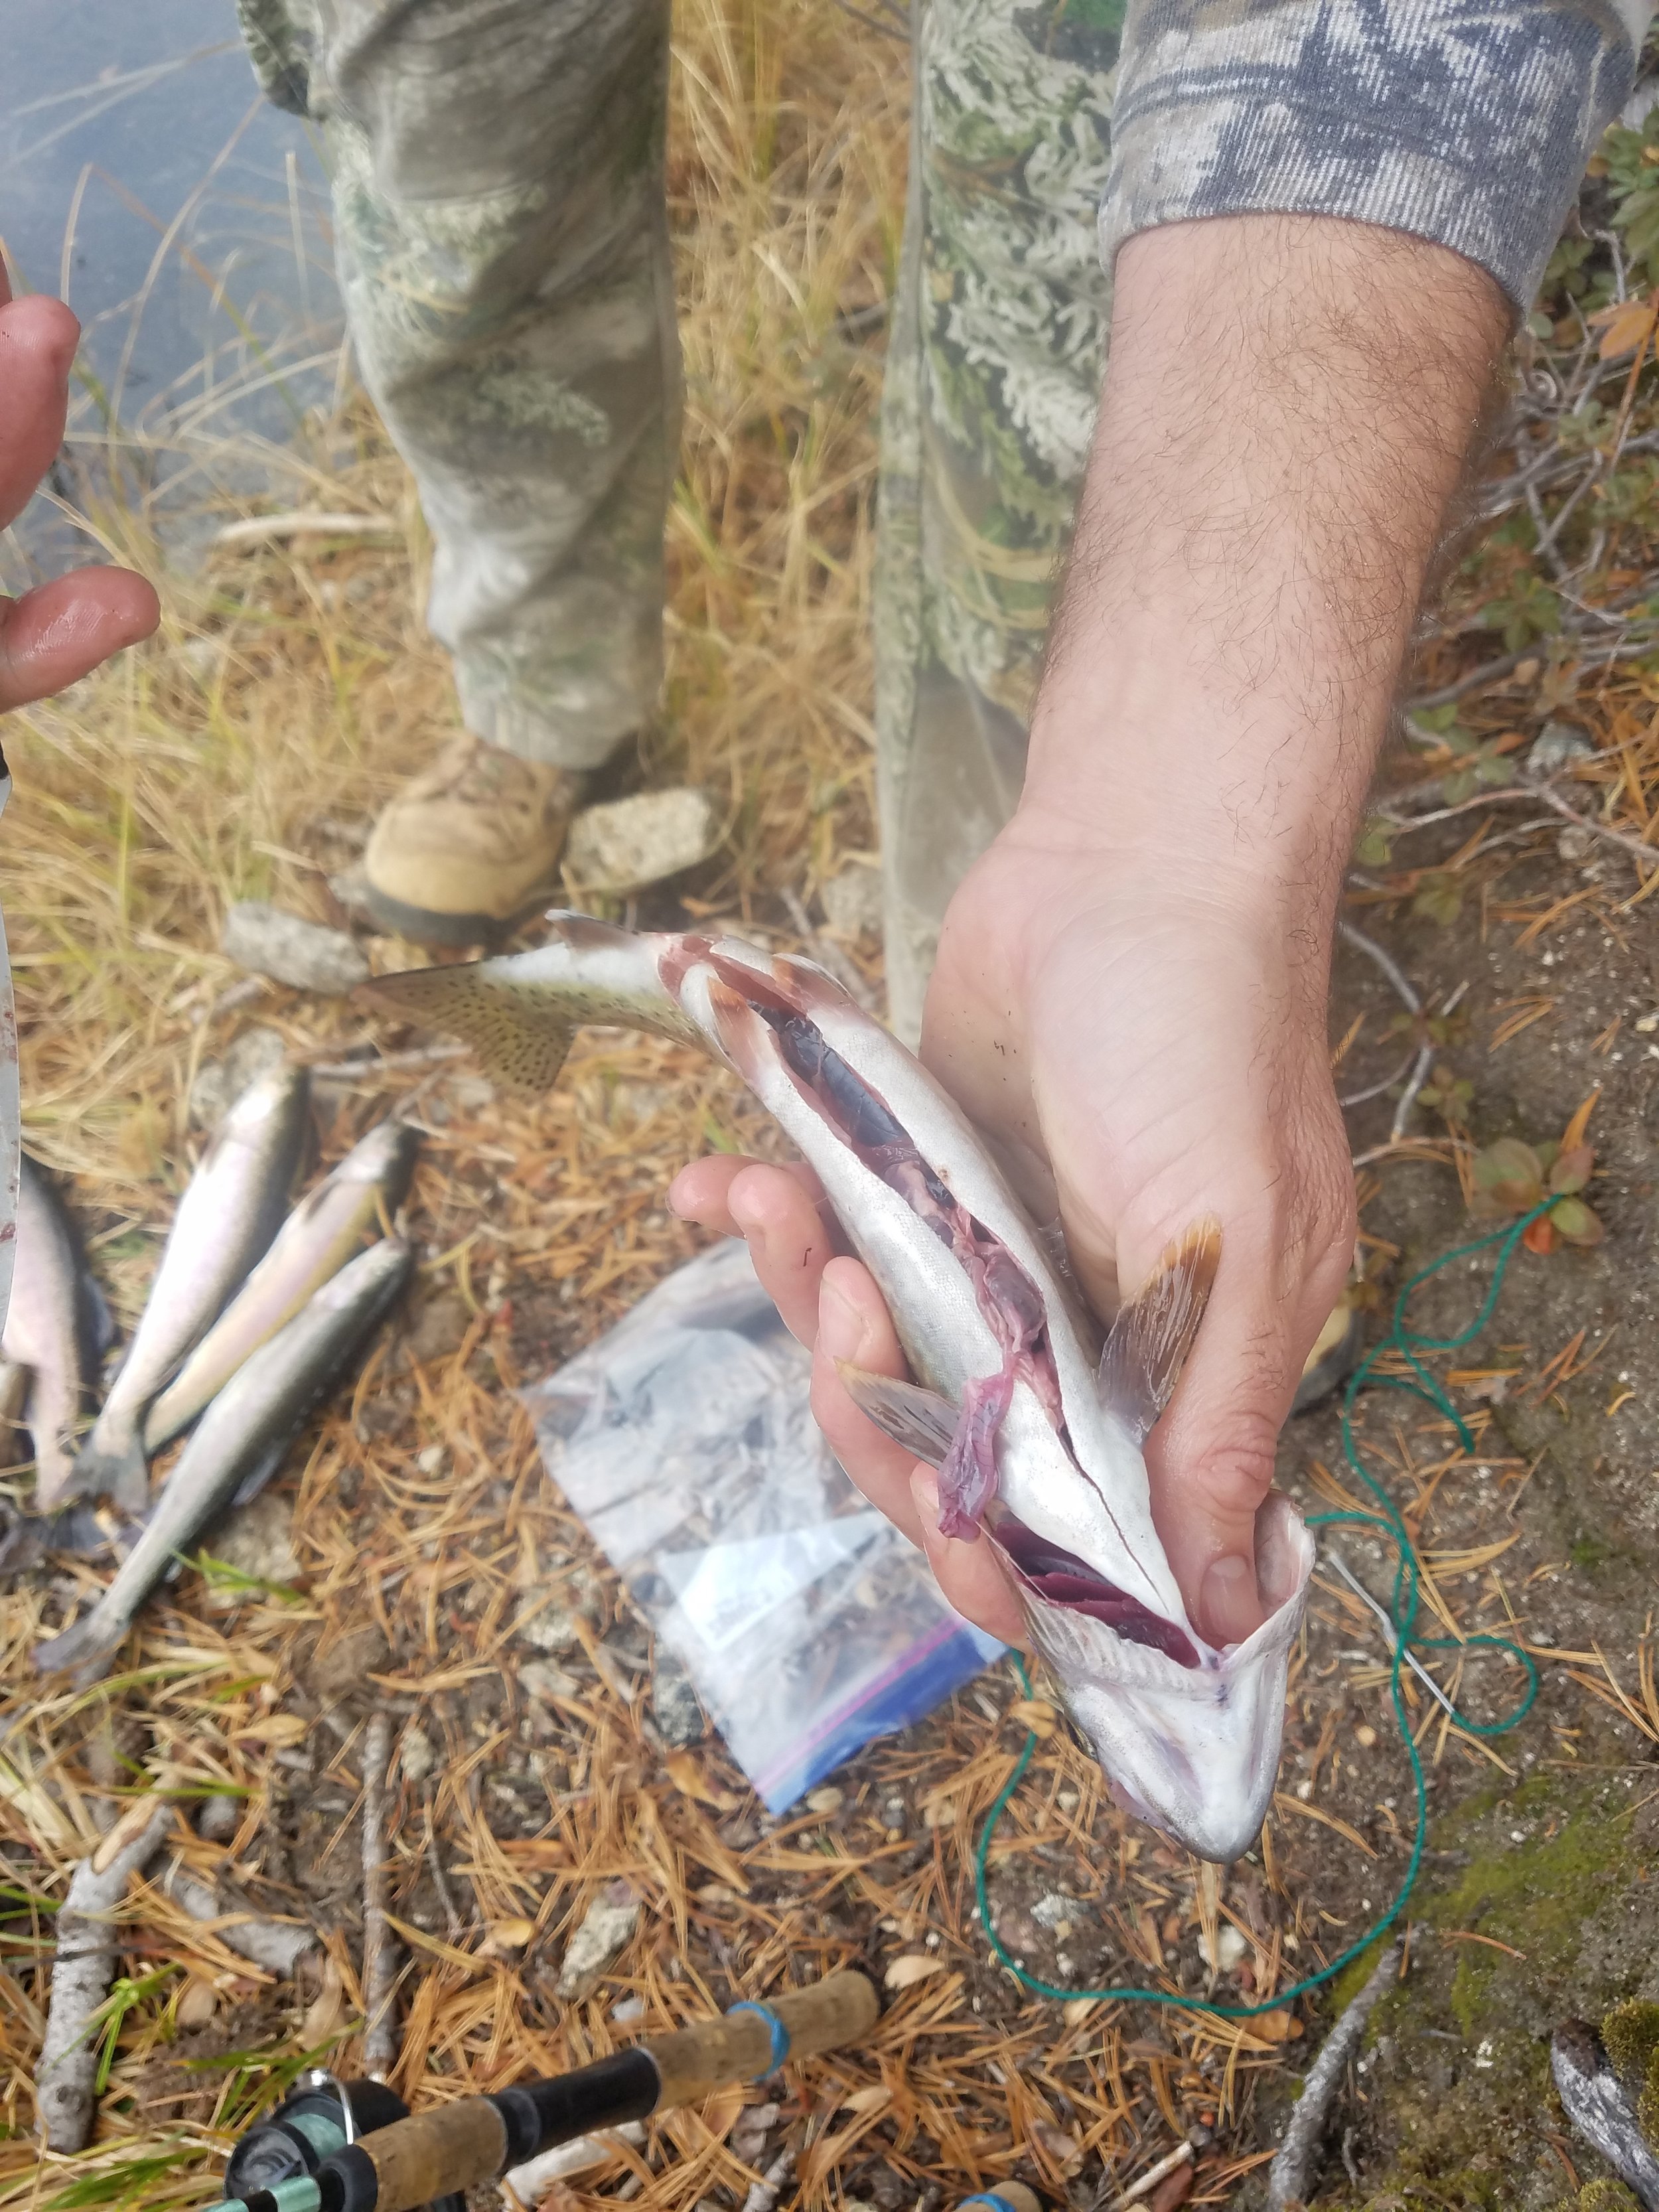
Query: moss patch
1534	1904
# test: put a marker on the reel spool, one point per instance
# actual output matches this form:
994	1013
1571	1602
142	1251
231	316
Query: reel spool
319	2117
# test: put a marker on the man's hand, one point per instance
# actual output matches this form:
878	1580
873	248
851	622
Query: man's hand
1131	987
55	633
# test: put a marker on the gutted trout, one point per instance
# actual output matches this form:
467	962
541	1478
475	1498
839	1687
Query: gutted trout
1036	1426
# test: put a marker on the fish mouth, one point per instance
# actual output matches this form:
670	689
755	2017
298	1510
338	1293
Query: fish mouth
1060	1579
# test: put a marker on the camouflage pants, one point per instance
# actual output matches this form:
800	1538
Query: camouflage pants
497	172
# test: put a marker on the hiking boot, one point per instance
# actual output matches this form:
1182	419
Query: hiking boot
469	846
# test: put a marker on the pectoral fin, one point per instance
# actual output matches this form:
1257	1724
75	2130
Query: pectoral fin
520	1041
1150	1340
917	1420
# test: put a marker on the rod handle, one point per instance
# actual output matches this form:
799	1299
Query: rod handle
751	2042
434	2153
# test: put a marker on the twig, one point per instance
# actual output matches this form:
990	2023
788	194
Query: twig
305	522
84	1965
874	22
1488	673
1292	2172
1391	1635
278	1946
764	2193
1414	1082
1597	2105
379	1960
1638	847
1376	1089
347	1071
828	955
1149	2181
452	1920
528	2183
1386	961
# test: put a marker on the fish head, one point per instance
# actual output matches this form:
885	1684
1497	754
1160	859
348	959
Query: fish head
1189	1741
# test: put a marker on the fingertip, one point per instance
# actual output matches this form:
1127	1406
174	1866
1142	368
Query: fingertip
1228	1604
136	605
44	325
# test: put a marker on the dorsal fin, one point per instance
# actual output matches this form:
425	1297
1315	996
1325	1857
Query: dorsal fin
521	1043
916	1419
1150	1340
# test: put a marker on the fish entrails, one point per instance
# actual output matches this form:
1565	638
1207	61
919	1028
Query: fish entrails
1008	1298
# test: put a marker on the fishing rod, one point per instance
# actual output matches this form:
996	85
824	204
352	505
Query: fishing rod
354	2146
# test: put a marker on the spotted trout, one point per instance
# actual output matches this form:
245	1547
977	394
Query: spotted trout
1033	1419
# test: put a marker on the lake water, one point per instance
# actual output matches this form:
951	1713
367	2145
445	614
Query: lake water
143	178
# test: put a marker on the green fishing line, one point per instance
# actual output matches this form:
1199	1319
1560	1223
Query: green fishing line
1403	1612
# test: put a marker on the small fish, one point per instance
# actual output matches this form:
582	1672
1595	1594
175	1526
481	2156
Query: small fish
11	1128
57	1327
232	1207
1036	1426
314	1243
238	1445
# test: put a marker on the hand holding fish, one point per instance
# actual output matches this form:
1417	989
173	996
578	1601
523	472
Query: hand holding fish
53	634
1138	1071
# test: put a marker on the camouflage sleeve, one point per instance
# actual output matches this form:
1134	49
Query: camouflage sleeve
1465	122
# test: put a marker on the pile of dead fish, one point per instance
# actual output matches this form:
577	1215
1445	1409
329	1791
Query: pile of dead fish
254	1312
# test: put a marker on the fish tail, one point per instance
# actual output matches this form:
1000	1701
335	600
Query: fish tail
83	1649
117	1473
520	1043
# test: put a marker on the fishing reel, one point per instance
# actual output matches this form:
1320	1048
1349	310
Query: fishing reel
271	2167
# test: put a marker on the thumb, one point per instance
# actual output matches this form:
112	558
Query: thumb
1211	1458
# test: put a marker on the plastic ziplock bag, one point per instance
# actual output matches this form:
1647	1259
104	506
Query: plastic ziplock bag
684	1440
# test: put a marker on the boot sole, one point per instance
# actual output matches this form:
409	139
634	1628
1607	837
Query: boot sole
425	925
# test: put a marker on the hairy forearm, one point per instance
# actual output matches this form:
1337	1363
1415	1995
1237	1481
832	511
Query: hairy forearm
1286	414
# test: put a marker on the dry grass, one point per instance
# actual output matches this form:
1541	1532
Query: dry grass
238	757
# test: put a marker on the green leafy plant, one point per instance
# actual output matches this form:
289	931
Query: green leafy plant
1479	760
1452	1094
1527	611
1511	1176
1439	897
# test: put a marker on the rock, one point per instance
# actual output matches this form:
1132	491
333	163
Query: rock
197	2002
553	1629
1056	1910
1557	746
350	891
269	941
220	1082
630	842
607	1926
1229	1949
416	1755
826	1801
345	1666
748	2137
852	900
220	1818
674	1707
543	1680
258	1540
438	1328
629	2010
